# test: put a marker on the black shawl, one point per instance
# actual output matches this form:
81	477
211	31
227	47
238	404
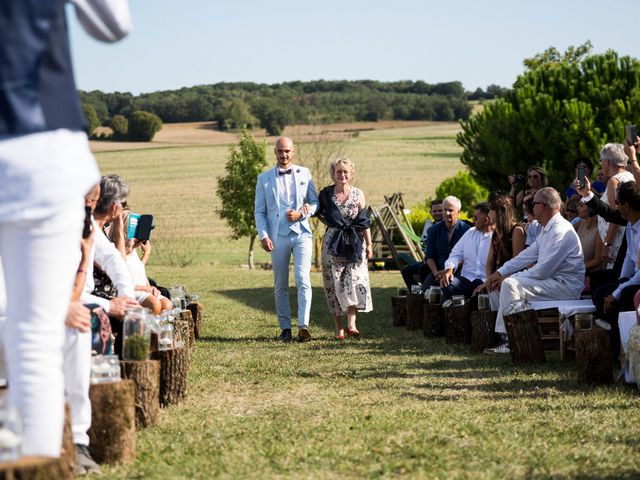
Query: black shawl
347	241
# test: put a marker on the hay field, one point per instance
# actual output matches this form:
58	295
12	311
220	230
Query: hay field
176	180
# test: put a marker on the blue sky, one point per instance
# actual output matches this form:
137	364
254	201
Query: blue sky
182	43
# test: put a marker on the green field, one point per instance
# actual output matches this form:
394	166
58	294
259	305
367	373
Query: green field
389	405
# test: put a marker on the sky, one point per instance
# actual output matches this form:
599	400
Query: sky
181	43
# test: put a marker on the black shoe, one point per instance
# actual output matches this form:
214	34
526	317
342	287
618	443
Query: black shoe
285	335
303	334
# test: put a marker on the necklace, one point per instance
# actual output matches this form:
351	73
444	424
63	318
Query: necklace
342	196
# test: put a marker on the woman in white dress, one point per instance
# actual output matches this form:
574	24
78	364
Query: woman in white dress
614	165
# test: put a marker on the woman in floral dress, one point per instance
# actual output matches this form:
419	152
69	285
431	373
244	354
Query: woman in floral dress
346	247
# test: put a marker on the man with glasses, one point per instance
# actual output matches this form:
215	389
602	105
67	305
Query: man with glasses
558	263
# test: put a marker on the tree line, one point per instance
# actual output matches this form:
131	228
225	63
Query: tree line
234	105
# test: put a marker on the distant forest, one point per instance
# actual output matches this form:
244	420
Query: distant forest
233	105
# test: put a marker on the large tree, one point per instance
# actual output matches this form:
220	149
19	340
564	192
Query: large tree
562	107
236	189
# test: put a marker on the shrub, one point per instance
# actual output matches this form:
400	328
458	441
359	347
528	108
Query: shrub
143	126
120	126
465	187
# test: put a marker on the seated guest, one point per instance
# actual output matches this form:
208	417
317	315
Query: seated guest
597	187
441	239
147	295
590	239
108	209
471	253
536	179
614	163
507	242
531	226
416	273
617	296
558	273
571	211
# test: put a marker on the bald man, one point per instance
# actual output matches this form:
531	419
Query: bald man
285	199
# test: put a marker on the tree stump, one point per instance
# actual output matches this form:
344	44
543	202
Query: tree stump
483	330
458	324
68	451
146	376
197	311
524	337
112	436
174	367
414	311
34	468
593	355
399	311
183	330
433	324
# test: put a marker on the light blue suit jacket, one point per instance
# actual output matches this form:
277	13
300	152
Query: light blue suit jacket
267	201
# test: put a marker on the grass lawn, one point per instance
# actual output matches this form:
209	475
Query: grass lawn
391	404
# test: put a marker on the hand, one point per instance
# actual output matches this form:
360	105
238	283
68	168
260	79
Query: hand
306	208
609	302
481	288
446	277
293	215
438	275
369	251
155	292
267	244
494	281
146	247
583	191
512	180
85	245
118	306
78	317
606	253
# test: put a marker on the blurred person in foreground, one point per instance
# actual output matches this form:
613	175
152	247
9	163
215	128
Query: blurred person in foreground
47	168
346	247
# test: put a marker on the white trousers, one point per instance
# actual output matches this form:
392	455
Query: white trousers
77	375
40	258
524	288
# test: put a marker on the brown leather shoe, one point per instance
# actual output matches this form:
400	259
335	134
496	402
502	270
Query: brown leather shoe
303	334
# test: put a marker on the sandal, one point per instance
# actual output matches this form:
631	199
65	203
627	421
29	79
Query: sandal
353	332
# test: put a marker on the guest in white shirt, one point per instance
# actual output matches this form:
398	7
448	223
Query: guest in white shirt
558	273
470	253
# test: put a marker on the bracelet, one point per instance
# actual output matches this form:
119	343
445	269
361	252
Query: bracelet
606	244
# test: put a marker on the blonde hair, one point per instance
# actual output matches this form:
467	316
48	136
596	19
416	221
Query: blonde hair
344	161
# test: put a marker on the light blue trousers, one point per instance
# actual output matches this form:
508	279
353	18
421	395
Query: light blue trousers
300	245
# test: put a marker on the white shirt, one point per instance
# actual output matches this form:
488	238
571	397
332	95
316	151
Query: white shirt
286	186
630	266
136	269
557	254
109	259
472	249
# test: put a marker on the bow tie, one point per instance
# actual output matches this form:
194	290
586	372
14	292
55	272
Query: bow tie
284	172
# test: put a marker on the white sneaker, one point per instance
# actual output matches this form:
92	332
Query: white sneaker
504	348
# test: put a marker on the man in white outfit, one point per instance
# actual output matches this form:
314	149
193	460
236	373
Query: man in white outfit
558	273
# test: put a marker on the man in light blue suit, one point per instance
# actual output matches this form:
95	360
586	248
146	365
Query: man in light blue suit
285	199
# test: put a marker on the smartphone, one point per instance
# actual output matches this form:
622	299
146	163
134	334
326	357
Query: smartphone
581	177
631	134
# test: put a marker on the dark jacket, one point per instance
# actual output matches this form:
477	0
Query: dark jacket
37	89
438	244
612	216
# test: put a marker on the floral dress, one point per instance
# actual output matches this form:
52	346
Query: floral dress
345	284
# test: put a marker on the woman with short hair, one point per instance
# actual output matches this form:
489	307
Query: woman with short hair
346	247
